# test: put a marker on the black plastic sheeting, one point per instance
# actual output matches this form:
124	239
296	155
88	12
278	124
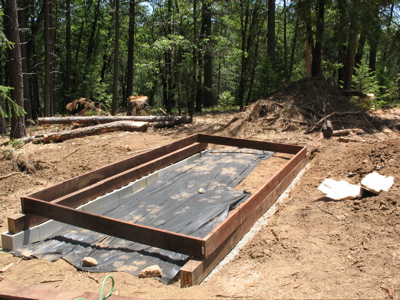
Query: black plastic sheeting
172	203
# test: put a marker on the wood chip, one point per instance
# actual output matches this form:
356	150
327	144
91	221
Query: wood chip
6	268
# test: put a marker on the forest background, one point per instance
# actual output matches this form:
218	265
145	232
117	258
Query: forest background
189	56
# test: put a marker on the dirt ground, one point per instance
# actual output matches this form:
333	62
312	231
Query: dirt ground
311	248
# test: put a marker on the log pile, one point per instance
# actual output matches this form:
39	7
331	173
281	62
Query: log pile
101	124
153	120
137	106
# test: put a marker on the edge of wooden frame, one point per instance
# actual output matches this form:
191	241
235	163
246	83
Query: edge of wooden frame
244	211
194	271
91	185
252	144
150	236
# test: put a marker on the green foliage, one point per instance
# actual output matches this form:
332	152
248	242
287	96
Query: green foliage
226	100
365	81
16	144
166	42
8	107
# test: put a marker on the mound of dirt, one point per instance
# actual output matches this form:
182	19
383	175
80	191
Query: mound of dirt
302	105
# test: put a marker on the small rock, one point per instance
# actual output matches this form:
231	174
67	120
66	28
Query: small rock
89	262
27	254
246	191
151	271
201	191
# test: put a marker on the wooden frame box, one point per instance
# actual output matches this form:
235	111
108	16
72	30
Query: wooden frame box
59	202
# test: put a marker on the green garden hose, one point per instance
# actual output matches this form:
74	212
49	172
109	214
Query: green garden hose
102	289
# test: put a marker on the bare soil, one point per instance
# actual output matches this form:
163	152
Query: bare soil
312	247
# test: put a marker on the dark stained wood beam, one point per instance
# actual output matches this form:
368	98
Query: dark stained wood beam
252	144
150	236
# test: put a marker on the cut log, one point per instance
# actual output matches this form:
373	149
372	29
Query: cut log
108	119
86	131
345	132
327	129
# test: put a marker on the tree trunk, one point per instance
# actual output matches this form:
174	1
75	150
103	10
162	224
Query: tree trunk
285	51
86	131
15	66
293	50
92	36
116	59
271	31
244	20
194	63
68	53
309	38
360	50
168	61
351	50
108	119
206	24
372	57
131	47
48	82
317	51
388	30
23	40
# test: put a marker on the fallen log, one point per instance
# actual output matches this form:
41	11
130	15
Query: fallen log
86	131
108	119
344	132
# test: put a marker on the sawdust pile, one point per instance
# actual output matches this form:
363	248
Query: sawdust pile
302	105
